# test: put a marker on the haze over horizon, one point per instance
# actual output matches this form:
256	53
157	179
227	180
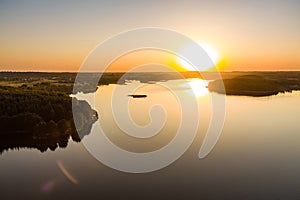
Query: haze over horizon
57	36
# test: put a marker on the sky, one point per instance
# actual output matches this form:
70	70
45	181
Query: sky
58	35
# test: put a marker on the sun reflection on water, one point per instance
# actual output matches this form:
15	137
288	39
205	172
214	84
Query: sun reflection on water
197	87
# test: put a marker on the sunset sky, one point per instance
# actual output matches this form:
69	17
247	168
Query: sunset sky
58	35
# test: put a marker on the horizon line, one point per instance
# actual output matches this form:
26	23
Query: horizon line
35	71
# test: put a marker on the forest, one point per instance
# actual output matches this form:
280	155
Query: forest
37	113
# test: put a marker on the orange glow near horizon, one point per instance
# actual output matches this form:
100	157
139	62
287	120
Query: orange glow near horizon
227	57
146	60
159	60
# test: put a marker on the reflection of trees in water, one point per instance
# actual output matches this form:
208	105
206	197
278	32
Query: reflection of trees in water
44	136
17	142
50	140
41	120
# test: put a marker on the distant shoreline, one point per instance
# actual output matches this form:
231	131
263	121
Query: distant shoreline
221	71
246	83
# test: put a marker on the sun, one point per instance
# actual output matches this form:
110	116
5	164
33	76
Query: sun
210	50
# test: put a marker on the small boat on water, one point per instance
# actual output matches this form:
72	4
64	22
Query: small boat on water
151	82
137	95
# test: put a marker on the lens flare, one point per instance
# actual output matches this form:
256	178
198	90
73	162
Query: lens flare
68	175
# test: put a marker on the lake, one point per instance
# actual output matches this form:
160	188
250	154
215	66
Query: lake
256	156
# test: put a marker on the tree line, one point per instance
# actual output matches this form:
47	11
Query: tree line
41	113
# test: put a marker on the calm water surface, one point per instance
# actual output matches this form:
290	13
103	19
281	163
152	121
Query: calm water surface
256	157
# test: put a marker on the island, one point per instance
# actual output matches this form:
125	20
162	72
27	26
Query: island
256	84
